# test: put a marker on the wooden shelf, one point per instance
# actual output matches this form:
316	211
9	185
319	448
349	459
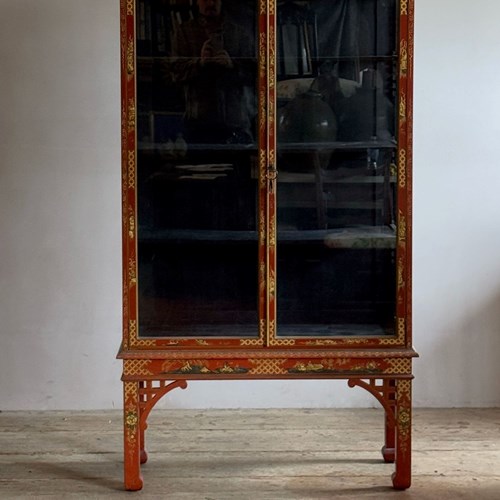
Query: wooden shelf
353	237
331	178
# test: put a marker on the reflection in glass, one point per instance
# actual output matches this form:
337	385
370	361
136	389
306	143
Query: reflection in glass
196	107
336	185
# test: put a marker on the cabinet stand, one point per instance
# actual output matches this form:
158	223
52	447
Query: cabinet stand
394	394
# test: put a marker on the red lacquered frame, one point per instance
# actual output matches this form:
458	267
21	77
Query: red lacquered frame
381	365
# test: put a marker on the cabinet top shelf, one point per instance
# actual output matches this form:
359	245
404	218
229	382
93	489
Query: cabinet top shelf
282	146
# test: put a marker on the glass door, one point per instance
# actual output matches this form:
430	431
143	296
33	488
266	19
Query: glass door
199	234
337	94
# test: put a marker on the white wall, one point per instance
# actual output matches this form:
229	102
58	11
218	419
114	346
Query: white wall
60	214
457	203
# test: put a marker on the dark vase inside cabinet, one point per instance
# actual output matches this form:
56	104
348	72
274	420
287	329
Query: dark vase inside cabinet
267	201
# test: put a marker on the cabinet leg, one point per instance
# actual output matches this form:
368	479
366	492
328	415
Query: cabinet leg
401	479
144	453
132	441
142	431
389	448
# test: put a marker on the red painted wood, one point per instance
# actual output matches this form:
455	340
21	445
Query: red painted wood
369	362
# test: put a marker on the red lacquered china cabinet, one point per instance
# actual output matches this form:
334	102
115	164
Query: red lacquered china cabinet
266	187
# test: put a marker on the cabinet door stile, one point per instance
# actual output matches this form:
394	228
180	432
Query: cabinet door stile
404	170
129	165
263	163
271	172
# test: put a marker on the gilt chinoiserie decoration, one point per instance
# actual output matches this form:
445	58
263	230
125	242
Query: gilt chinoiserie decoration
266	201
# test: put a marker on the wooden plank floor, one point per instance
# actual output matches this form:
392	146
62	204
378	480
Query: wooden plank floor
249	454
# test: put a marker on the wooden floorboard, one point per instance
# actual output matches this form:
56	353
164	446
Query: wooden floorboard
249	454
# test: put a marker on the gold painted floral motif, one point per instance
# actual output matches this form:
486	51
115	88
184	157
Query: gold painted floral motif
262	111
262	277
131	226
307	367
131	419
196	367
272	230
401	227
402	108
131	115
331	366
270	114
272	284
262	55
320	342
132	276
404	415
404	418
401	281
130	56
272	58
403	58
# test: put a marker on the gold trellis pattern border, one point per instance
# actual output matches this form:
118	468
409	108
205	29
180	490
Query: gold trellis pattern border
400	336
267	367
130	7
136	367
404	7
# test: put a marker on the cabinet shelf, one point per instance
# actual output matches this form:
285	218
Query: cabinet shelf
331	178
349	238
314	147
159	146
285	147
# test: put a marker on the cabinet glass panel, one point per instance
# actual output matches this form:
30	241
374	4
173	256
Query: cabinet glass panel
337	94
196	156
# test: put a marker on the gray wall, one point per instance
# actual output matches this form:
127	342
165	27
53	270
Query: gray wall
60	214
